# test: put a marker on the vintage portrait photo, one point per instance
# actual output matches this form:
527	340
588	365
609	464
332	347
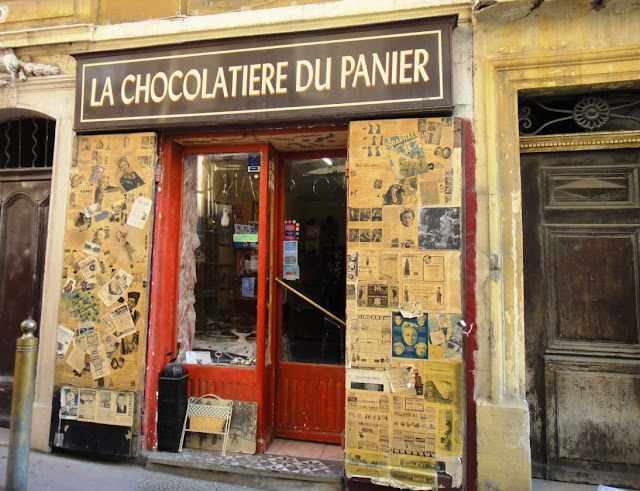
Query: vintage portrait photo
439	228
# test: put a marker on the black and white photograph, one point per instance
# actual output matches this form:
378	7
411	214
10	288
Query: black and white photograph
439	228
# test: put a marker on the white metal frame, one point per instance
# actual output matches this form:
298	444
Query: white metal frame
215	407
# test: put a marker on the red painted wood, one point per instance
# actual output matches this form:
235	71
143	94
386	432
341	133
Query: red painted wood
248	384
310	402
262	134
227	382
264	237
471	212
268	380
164	280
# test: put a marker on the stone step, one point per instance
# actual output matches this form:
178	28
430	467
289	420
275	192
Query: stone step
261	471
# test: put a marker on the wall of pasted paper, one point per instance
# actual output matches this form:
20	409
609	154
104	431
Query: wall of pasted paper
521	45
103	312
404	381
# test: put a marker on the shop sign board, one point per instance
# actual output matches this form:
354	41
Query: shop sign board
373	70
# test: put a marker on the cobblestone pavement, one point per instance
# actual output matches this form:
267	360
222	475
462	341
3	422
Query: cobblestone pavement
53	472
168	482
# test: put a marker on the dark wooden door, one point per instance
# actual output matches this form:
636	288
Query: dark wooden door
24	211
581	231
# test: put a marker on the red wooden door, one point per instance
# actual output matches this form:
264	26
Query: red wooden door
310	369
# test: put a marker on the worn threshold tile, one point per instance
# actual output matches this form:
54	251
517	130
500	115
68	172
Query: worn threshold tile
332	452
301	449
274	448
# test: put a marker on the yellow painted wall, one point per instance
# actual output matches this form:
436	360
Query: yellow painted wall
557	45
26	14
29	14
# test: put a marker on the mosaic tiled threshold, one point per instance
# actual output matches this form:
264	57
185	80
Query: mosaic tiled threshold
282	466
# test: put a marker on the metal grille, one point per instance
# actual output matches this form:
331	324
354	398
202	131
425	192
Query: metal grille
583	112
27	143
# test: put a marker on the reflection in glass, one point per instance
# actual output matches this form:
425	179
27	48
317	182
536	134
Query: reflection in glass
220	212
315	197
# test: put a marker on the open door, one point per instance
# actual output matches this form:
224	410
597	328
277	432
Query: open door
310	370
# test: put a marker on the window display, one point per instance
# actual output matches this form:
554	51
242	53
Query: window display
220	226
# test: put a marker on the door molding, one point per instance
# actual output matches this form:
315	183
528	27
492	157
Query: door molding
572	142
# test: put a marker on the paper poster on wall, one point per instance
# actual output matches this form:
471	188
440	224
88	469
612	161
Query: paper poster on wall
291	230
63	341
140	212
373	380
369	339
106	407
439	229
249	287
69	402
404	299
410	336
378	294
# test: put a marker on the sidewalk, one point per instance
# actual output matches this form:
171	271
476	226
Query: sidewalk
70	472
52	472
59	472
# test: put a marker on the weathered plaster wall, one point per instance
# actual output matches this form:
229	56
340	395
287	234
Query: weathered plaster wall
53	97
462	70
84	28
521	45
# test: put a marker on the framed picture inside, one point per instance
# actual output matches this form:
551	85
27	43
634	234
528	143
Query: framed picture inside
225	276
224	236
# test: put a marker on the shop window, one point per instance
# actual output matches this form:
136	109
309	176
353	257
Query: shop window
219	259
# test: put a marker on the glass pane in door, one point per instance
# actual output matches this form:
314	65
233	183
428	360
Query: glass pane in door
220	226
315	197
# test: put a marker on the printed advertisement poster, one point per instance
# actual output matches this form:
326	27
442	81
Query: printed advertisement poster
410	336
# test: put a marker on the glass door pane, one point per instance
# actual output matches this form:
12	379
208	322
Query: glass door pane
221	209
315	198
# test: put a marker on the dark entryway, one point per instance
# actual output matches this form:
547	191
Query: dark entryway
310	373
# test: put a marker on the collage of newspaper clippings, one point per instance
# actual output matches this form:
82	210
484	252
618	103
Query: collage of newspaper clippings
103	304
404	302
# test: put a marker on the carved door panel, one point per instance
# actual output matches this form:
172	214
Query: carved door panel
581	231
24	211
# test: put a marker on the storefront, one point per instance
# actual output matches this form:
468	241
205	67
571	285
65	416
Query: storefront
288	214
